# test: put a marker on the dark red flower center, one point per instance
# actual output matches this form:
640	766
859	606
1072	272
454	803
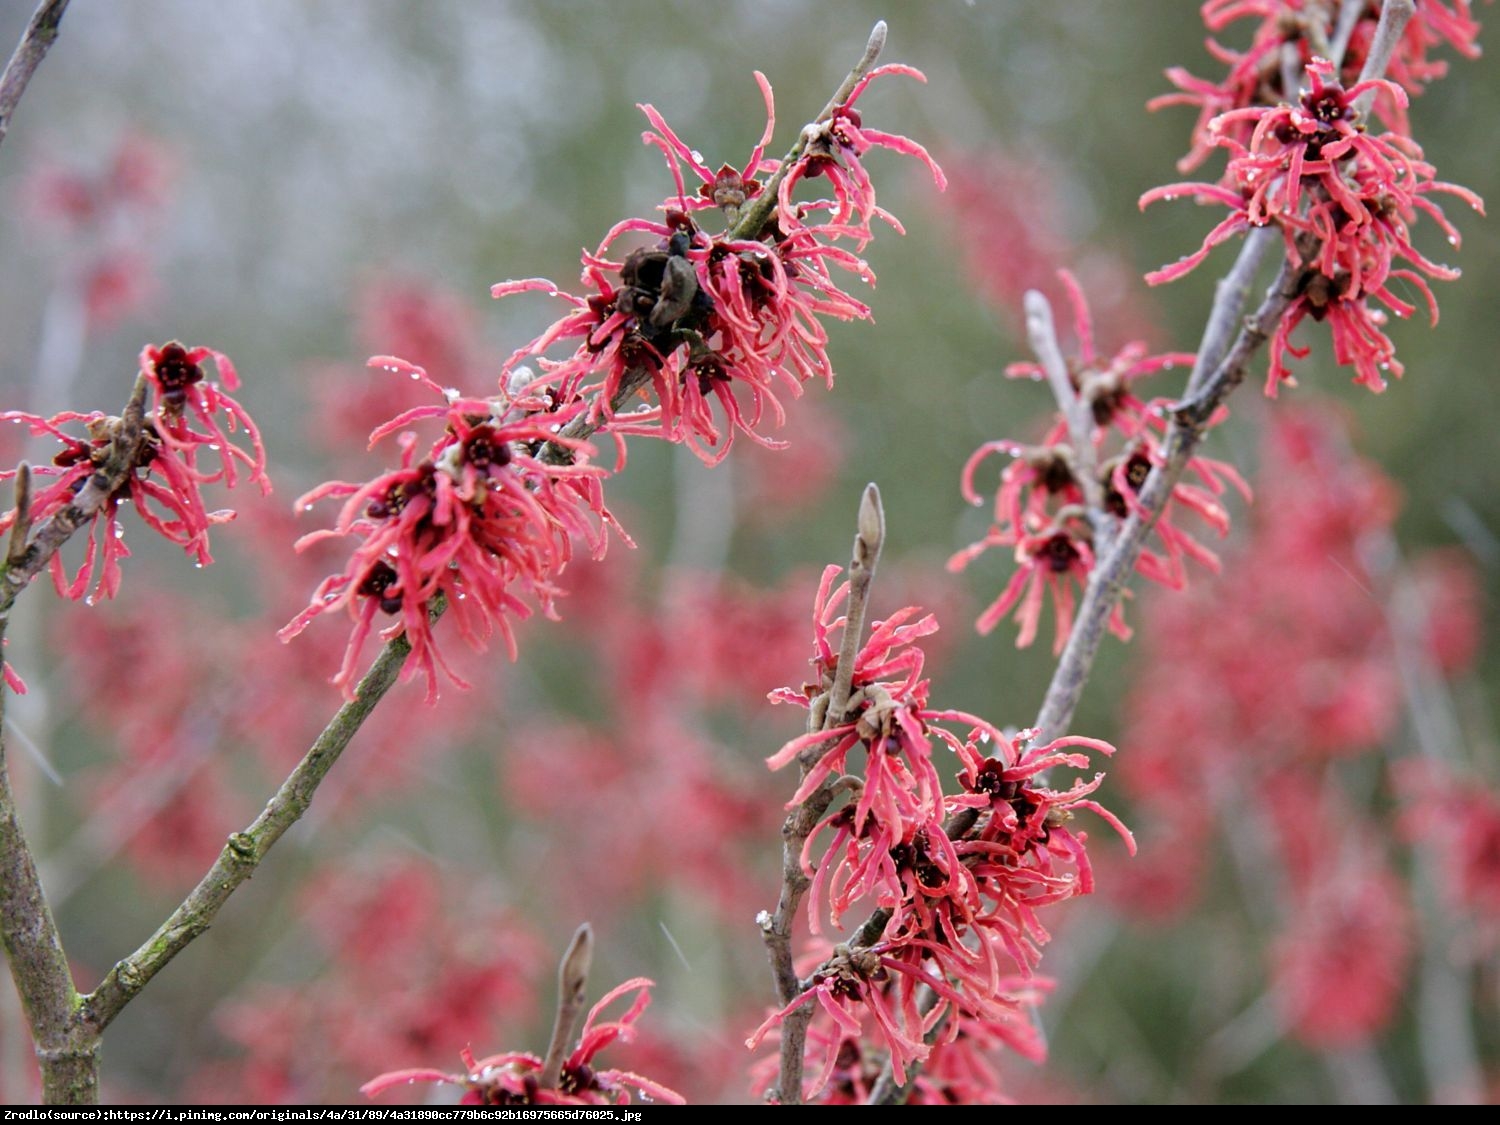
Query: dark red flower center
575	1079
991	779
175	373
729	188
377	583
1058	553
394	502
484	450
916	858
1320	292
1328	105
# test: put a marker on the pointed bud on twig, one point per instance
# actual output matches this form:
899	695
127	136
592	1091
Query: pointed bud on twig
867	544
572	990
20	531
871	536
874	46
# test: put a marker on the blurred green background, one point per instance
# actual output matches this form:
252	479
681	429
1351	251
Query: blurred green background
319	145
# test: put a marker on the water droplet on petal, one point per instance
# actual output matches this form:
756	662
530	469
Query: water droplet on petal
197	566
89	600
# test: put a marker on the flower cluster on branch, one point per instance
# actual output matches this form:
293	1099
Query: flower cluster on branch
513	1078
688	320
185	444
952	965
1343	196
1041	506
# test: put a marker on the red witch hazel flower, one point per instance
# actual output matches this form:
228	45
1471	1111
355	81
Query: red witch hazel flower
1255	75
181	396
835	150
733	319
188	417
1040	507
480	521
961	912
1344	199
512	1078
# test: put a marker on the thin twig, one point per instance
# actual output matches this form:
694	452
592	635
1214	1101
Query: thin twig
1109	579
572	994
1219	368
1041	332
1394	16
1291	71
244	851
776	929
1350	12
753	218
1231	295
35	42
1315	22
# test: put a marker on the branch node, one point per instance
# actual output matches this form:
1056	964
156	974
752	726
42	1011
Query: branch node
35	41
241	845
